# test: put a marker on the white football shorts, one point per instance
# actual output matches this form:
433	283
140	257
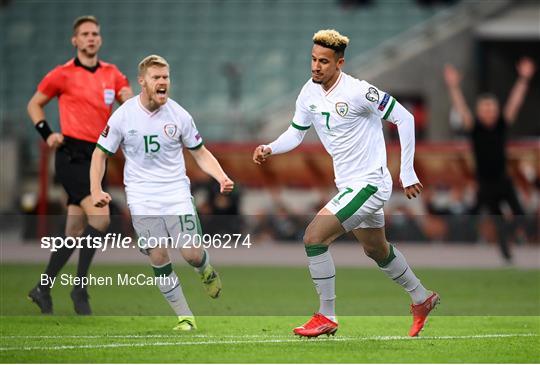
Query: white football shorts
360	205
156	229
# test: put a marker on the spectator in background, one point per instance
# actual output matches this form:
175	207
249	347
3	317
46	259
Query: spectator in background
219	213
488	133
418	109
86	88
233	74
280	222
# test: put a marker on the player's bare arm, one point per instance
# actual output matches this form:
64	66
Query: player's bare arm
452	78
37	115
97	171
208	163
261	153
525	69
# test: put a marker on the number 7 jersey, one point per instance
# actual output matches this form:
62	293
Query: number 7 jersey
347	119
152	143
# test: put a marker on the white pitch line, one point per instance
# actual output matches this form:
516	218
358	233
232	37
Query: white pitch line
464	337
144	344
297	340
139	336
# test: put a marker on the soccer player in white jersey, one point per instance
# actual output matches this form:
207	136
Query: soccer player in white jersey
346	114
152	131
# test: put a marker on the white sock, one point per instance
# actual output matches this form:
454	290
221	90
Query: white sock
205	261
323	273
397	269
171	289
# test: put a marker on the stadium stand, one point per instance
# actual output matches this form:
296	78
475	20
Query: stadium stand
264	39
231	61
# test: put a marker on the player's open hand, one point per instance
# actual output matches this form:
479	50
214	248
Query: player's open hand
55	140
100	198
226	186
414	190
261	153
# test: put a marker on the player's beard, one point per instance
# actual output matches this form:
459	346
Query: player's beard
157	98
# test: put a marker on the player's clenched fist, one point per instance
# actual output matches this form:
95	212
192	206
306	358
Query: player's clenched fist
261	153
100	199
226	185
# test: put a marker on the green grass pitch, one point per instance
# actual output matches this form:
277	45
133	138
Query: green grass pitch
485	316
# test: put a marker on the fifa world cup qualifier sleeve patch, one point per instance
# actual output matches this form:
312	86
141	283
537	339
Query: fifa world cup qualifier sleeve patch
372	95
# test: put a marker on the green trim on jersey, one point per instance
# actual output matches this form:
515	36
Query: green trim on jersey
299	127
104	149
387	114
363	195
196	147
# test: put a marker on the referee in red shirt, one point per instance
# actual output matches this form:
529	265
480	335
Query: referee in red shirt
86	89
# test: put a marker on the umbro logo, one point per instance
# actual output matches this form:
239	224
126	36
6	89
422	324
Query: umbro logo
313	107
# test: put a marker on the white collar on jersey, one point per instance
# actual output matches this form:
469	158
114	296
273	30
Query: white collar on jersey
333	87
144	108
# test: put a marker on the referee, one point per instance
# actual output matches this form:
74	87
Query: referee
86	88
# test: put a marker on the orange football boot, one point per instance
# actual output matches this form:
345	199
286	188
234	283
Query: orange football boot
316	326
420	313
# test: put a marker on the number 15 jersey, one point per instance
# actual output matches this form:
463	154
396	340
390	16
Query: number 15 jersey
152	143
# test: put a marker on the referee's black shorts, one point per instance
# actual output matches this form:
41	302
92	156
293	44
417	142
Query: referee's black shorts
72	166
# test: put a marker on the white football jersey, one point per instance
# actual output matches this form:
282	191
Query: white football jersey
152	143
347	119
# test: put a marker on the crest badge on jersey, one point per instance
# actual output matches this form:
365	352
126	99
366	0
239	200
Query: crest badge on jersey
108	96
170	130
342	108
372	95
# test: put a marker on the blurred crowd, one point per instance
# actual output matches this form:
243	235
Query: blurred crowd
442	214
